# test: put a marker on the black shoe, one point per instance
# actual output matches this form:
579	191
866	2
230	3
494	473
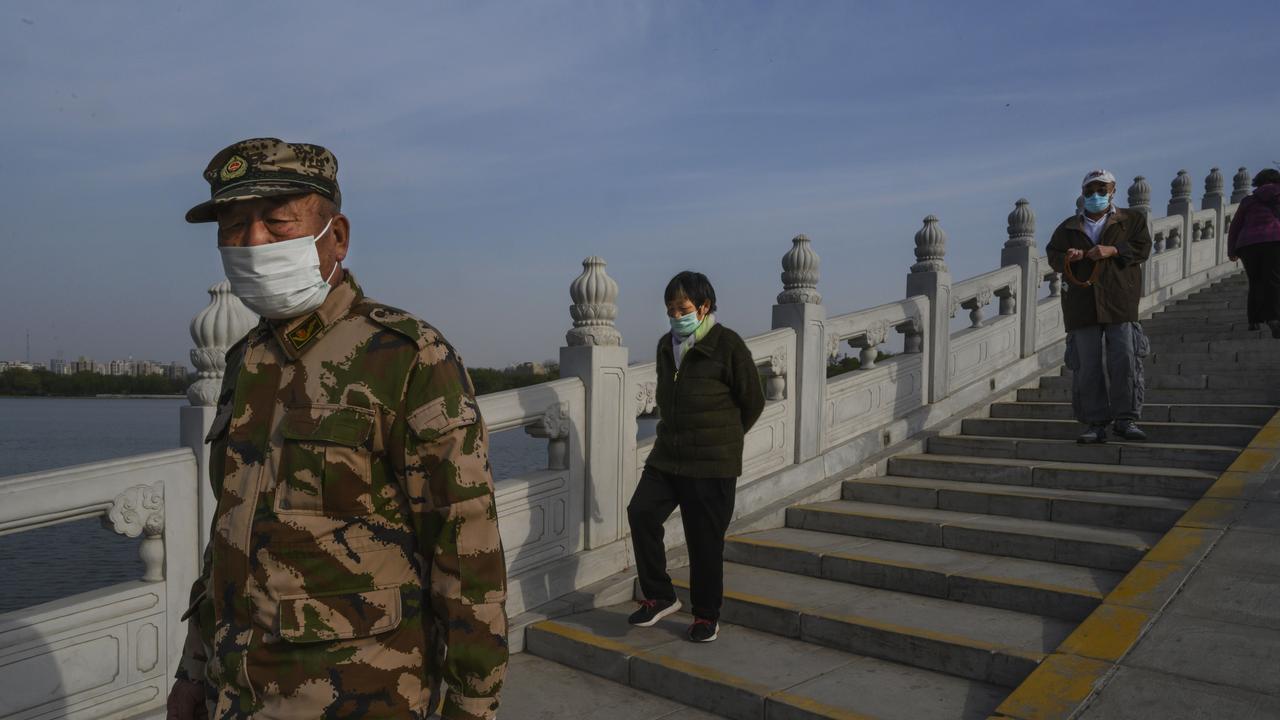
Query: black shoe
1094	435
651	611
1129	430
1254	326
704	631
1275	328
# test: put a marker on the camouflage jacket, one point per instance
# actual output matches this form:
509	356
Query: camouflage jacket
354	560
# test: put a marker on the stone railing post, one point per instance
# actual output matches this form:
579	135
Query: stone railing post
1020	249
1180	204
800	308
594	353
215	329
1240	185
1214	199
929	277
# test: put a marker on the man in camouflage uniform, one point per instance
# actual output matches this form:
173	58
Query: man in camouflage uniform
354	560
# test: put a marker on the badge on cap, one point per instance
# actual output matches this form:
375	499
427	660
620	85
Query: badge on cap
234	168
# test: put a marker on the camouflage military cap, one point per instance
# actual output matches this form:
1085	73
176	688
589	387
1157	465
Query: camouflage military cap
266	167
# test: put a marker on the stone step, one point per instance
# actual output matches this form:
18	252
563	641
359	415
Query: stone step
1030	586
1230	414
1105	548
1184	353
753	675
538	689
1190	381
1157	432
1182	334
1196	457
1079	507
1159	324
1169	396
1129	479
1185	365
980	643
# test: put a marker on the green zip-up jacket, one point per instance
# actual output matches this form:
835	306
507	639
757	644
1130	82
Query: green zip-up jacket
707	407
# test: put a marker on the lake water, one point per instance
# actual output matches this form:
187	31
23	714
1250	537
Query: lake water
47	433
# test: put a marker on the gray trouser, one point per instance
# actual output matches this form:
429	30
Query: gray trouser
1106	383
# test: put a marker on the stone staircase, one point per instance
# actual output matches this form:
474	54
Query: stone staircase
933	591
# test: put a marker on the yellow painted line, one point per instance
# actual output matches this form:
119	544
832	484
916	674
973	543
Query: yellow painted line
1267	438
1253	460
586	638
702	672
1211	514
1107	634
772	544
1032	585
1182	545
881	561
1148	585
817	708
923	634
1234	485
1054	689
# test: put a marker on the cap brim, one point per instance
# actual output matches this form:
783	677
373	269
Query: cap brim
207	210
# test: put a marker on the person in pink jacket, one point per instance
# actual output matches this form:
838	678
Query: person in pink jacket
1254	238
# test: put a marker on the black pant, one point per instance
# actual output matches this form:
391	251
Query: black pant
1262	265
706	505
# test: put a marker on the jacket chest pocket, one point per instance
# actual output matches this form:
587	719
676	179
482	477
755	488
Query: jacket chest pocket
325	461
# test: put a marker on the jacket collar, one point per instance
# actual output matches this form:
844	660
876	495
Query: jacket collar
298	335
706	345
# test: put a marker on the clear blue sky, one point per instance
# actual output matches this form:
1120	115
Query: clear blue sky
485	149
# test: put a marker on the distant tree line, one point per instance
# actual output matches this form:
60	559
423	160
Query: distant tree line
491	380
20	381
842	364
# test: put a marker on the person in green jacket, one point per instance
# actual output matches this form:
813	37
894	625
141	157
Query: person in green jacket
708	397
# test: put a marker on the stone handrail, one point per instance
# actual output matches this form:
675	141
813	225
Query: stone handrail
113	649
868	329
976	292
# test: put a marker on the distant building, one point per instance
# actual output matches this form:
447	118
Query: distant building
176	371
58	366
121	367
83	364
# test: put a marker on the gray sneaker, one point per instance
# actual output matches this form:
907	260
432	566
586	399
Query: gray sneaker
1129	430
1095	434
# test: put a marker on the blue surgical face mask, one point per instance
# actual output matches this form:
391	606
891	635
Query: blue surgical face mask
1096	203
685	324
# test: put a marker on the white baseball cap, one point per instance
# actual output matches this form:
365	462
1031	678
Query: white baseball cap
1104	176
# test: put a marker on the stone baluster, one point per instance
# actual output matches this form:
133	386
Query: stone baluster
595	354
800	308
555	427
1240	185
214	330
1055	285
1180	204
929	277
869	344
1215	199
1020	249
139	510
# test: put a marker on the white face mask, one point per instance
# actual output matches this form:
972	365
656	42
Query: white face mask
279	280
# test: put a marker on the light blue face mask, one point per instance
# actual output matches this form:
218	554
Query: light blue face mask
1096	203
685	324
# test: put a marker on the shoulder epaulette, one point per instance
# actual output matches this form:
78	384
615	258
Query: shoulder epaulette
404	323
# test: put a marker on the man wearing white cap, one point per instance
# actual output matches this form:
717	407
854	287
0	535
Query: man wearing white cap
1100	251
